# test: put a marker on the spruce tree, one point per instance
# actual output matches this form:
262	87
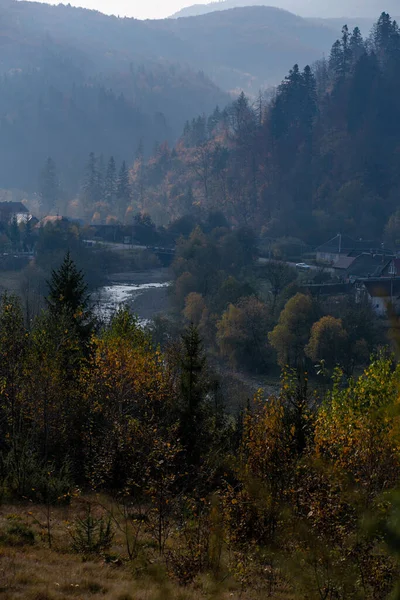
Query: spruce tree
310	97
193	391
382	35
110	183
336	60
123	191
100	183
346	50
357	46
90	189
68	298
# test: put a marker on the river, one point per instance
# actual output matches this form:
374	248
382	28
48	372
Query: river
145	292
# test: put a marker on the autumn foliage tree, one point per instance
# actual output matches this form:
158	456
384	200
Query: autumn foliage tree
327	342
291	334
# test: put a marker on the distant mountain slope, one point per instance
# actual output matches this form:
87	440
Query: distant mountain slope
304	8
74	81
243	48
249	48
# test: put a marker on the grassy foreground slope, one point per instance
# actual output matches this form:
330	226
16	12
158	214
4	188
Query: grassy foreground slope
31	570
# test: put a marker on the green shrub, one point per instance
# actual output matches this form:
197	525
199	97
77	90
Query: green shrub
92	535
17	533
30	478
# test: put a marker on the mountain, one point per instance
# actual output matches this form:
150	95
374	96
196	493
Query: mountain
249	48
73	81
304	8
322	157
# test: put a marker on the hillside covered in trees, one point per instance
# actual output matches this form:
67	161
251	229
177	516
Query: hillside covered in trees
120	457
136	460
320	157
74	81
304	8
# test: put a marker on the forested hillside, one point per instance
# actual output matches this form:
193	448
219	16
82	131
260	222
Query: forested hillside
123	476
249	48
75	81
309	8
322	157
241	438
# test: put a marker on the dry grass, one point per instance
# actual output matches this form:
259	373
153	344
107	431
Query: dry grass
36	572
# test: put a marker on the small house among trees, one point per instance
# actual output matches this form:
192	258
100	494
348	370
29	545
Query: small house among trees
391	268
334	249
10	211
384	294
341	251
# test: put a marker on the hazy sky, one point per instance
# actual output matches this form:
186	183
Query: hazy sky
140	9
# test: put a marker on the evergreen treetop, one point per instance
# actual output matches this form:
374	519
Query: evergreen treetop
68	297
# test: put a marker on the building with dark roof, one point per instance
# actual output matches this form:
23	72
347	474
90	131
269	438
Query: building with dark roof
367	265
391	268
11	210
383	292
342	248
334	249
327	289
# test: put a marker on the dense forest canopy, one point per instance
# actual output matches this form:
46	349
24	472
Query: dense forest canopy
321	157
317	156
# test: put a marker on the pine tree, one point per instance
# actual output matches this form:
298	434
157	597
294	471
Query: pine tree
193	390
336	60
100	178
310	96
285	111
357	46
110	184
49	186
90	189
321	77
123	191
213	121
346	50
382	35
68	298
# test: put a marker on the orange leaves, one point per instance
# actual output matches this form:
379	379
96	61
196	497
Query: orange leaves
122	375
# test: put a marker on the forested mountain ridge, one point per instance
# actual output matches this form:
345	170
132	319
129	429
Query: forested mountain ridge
322	157
250	48
72	83
75	81
229	46
304	8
